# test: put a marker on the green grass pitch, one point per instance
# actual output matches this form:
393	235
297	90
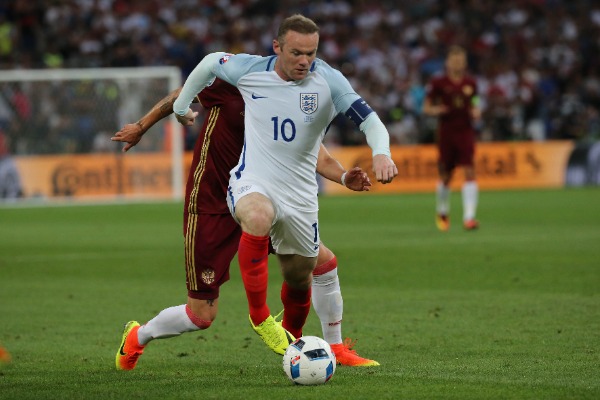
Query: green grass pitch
511	311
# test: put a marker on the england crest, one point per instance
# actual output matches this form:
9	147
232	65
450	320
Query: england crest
309	102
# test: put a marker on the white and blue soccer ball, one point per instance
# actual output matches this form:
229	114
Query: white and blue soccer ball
309	361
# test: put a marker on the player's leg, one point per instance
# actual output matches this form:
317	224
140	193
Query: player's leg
296	290
327	295
442	203
329	305
170	322
255	214
210	245
295	238
174	321
470	196
470	191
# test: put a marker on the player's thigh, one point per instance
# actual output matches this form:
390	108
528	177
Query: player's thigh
446	157
250	204
295	232
465	152
211	242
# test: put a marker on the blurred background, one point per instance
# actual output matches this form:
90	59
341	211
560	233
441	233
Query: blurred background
537	63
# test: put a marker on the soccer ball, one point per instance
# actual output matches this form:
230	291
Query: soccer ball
309	361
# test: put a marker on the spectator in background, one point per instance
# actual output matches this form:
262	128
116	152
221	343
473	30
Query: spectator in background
553	42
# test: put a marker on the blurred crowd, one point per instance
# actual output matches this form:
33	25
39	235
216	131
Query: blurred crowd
537	62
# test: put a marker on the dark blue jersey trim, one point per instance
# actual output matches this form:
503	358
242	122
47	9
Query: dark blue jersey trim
238	173
270	61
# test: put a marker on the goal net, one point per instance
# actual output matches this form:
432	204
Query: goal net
55	130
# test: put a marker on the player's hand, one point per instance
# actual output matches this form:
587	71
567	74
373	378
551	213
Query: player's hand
442	109
356	179
130	134
188	119
384	168
476	113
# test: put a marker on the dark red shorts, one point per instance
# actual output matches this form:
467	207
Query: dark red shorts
211	242
456	150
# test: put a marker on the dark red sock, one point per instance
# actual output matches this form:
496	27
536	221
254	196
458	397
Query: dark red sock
296	306
253	253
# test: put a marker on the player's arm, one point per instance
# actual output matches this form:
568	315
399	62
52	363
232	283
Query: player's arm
132	133
378	139
377	136
433	110
431	107
330	168
199	78
356	109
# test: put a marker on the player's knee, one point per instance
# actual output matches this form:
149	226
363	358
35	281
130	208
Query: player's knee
325	255
299	278
202	312
201	321
297	270
256	217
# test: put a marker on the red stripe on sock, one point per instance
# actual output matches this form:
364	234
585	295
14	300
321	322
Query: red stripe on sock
326	267
200	323
296	305
253	253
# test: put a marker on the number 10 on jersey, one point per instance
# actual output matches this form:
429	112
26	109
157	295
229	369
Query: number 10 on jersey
287	129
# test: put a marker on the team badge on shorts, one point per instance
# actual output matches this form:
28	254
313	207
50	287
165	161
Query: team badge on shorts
208	276
309	102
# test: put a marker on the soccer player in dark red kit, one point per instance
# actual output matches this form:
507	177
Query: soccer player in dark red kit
212	236
452	98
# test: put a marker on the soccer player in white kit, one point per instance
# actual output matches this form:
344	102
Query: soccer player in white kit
291	98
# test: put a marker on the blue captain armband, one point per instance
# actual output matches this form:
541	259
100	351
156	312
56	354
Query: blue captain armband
359	111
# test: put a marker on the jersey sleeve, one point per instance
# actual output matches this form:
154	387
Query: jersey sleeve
199	78
345	99
231	68
342	93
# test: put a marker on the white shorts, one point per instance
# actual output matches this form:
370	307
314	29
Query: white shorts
293	231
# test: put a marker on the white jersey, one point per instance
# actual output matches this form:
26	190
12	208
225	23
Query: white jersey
285	122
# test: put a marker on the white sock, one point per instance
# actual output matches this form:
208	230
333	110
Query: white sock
470	193
442	199
172	321
329	305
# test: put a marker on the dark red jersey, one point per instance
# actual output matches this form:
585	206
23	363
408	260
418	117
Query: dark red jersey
457	97
217	149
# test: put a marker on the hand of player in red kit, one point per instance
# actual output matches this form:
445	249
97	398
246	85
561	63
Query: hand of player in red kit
441	109
130	134
384	168
356	179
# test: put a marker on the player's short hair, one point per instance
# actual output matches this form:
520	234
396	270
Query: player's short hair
297	23
456	50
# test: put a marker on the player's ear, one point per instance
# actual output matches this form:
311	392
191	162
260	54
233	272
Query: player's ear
276	47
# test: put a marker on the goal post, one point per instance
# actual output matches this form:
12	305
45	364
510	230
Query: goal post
57	125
